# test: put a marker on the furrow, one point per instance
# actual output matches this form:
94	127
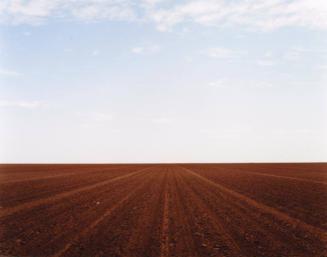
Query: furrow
224	243
165	227
263	208
95	223
60	196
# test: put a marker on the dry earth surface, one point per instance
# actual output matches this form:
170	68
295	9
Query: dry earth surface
180	210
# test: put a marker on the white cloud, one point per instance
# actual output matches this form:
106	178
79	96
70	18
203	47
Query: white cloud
292	54
147	49
37	11
225	134
265	62
95	117
188	59
297	52
34	11
152	2
235	84
68	50
11	73
162	120
137	50
221	83
21	104
101	117
102	10
95	52
251	14
222	53
262	85
27	33
293	131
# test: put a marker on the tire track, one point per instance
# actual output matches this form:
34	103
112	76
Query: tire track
182	242
45	229
276	176
60	196
160	211
145	239
228	245
111	236
254	233
286	177
37	177
12	195
263	208
164	246
298	199
97	221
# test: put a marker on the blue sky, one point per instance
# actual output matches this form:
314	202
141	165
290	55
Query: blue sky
163	81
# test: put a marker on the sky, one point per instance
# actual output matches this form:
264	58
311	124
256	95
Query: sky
163	81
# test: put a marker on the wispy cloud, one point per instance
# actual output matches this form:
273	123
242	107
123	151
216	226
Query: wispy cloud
221	83
10	73
147	49
222	53
21	104
162	120
233	84
265	62
27	33
227	134
292	132
167	14
101	117
292	54
297	52
68	50
95	117
248	14
102	10
91	120
95	52
38	11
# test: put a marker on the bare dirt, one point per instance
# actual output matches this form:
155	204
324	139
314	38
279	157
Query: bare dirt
180	210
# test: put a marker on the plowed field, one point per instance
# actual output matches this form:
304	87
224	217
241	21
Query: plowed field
180	210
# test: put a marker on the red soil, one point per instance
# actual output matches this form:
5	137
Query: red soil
189	210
